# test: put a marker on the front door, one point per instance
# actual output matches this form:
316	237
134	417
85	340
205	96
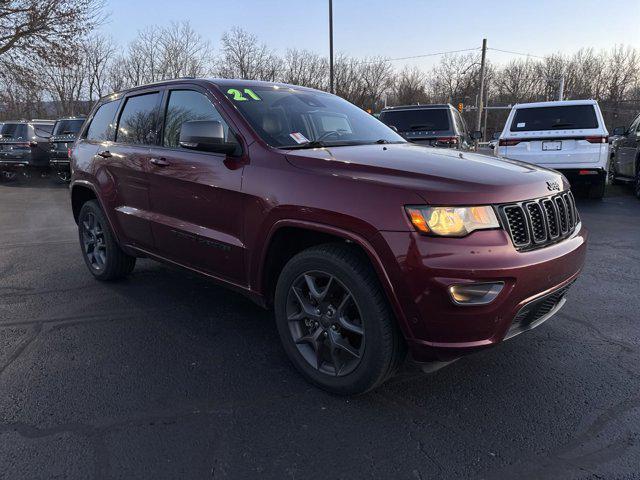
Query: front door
196	197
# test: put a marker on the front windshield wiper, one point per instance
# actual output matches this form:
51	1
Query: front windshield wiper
312	144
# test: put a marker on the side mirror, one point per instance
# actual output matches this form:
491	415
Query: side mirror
496	136
477	135
620	130
394	128
205	135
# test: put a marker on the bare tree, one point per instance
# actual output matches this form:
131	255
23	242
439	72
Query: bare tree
45	28
243	57
98	52
184	52
410	87
308	69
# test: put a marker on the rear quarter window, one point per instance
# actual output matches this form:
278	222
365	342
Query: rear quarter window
568	117
102	126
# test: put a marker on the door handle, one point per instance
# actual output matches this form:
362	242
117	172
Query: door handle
105	154
160	162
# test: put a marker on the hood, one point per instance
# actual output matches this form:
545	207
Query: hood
444	177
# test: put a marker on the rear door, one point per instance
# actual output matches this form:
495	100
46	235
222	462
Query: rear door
196	196
127	163
555	135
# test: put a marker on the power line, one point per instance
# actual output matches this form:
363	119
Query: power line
515	53
433	54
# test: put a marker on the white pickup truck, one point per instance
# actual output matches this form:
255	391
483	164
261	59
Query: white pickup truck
569	136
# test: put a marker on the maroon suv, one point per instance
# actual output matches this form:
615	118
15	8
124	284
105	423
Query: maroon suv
365	245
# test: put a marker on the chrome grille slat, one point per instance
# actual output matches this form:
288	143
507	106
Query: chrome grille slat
536	223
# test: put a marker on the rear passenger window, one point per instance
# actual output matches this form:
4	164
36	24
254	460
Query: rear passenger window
102	125
184	106
138	123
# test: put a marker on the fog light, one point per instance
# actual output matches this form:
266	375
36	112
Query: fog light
475	293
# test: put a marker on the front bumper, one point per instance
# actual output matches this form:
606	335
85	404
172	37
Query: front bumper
422	268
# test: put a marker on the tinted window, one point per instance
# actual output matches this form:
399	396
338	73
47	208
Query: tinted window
186	105
102	126
43	128
554	118
67	127
139	120
432	119
14	130
290	117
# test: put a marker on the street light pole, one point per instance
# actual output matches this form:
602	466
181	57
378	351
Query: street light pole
331	86
484	54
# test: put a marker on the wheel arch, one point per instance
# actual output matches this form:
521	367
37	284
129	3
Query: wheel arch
83	191
289	237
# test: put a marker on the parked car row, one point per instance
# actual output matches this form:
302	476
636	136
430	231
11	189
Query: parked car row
567	136
40	146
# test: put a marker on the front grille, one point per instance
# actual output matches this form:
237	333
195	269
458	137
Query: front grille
536	310
538	223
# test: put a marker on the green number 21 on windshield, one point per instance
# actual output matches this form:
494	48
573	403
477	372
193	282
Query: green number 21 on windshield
239	96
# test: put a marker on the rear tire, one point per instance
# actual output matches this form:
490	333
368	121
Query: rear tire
313	321
596	190
102	254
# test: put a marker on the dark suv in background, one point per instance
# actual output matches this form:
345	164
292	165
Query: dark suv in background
365	245
24	146
62	138
625	159
433	125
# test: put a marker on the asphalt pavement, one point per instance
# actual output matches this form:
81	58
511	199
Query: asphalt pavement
167	376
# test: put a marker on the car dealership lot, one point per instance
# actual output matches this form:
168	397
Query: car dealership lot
166	375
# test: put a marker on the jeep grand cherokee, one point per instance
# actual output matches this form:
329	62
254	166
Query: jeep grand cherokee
365	245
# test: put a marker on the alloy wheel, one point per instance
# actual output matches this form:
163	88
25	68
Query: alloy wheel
93	242
325	323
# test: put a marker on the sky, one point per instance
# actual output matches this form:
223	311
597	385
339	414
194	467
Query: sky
399	28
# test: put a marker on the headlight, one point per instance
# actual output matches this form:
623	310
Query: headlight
452	221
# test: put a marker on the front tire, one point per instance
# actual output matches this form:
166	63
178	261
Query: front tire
334	320
636	185
102	254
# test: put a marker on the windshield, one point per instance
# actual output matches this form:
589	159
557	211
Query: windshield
554	118
67	127
14	130
290	118
432	119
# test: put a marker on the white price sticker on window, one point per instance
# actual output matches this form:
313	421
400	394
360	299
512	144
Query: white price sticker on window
298	137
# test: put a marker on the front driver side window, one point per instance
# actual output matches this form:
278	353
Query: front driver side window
187	105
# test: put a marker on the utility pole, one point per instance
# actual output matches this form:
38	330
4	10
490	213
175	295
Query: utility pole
561	88
331	86
484	55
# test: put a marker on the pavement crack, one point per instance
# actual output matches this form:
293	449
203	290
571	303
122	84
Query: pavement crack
21	348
